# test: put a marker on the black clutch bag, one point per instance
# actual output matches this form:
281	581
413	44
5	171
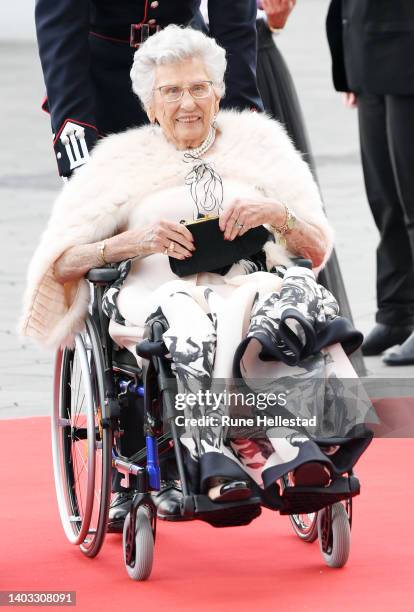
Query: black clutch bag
213	252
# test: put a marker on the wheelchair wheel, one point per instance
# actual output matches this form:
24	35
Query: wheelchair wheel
82	447
334	532
304	525
141	566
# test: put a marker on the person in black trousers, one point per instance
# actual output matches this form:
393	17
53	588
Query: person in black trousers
281	101
372	48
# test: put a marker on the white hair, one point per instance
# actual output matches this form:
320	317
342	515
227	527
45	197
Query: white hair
171	45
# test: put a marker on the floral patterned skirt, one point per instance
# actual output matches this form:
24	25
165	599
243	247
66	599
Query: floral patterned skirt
278	335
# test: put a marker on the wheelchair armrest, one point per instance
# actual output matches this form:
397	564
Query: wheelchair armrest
102	276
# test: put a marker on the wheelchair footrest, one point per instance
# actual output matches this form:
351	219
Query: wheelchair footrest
230	514
303	500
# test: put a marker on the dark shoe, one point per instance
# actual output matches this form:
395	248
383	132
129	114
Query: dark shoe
235	490
401	355
168	501
311	474
119	508
382	337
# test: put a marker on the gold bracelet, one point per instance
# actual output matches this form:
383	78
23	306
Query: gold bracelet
280	229
101	251
286	227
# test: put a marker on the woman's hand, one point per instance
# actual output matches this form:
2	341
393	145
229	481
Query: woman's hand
304	239
278	11
168	237
244	214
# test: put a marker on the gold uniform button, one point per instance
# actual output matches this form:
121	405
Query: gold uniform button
151	22
154	4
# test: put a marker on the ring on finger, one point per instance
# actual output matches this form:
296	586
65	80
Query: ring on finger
240	225
171	246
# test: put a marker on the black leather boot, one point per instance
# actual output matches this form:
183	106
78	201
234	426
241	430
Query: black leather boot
401	355
382	337
168	501
118	510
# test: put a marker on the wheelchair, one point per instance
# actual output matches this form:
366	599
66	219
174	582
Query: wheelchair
94	383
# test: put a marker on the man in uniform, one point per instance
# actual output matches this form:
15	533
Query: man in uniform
86	50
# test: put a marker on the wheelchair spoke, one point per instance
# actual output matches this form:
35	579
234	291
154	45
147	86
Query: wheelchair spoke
97	491
79	473
77	493
78	409
77	482
98	495
83	462
76	379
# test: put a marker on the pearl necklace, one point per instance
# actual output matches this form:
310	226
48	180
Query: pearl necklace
204	147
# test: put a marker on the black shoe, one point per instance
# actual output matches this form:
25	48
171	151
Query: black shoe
401	355
168	501
382	337
235	490
119	508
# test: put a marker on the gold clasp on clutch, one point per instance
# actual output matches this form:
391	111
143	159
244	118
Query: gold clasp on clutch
200	220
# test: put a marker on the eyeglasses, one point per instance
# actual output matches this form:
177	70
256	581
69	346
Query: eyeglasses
173	93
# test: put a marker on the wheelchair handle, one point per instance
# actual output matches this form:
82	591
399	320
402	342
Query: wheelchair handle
147	349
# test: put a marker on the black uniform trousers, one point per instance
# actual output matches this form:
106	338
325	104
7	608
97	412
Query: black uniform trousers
386	127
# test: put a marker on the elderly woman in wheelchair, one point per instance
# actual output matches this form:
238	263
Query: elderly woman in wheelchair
200	216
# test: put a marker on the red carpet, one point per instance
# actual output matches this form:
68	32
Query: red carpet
260	567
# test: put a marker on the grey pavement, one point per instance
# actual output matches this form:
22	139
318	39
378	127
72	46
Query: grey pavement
29	184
